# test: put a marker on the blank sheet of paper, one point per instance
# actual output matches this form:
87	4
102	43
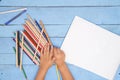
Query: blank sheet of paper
93	48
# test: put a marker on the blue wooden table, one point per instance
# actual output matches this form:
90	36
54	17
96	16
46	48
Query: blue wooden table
57	16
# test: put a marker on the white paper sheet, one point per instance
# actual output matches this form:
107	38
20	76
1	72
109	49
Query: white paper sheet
93	48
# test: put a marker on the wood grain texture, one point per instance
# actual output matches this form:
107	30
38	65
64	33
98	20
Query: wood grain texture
54	31
57	16
8	44
97	15
31	71
55	3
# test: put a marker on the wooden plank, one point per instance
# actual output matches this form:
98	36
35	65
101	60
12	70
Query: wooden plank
8	44
60	3
54	12
10	59
53	30
57	39
11	72
97	15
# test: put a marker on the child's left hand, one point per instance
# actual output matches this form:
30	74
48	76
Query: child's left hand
46	59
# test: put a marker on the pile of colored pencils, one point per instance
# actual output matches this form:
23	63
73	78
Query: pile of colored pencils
31	40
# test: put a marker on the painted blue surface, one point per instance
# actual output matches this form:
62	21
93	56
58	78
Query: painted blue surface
57	16
65	15
60	3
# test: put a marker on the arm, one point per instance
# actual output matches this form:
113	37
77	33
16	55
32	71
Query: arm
46	61
41	74
60	61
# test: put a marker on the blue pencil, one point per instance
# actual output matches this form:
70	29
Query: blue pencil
38	25
15	17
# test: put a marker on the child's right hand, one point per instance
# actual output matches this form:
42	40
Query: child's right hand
59	57
62	66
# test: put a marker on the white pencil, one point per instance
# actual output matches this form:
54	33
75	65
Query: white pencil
16	49
10	11
21	52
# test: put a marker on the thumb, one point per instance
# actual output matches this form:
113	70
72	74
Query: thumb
53	59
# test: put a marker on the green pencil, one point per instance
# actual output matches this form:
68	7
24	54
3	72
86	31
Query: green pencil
22	66
24	73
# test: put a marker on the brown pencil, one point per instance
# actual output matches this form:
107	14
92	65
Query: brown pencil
42	25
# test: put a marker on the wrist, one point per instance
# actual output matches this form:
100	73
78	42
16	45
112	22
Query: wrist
61	65
41	73
44	68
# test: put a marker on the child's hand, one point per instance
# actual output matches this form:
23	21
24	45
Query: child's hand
46	59
59	57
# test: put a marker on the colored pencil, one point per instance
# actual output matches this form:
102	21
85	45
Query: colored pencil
16	49
35	32
42	31
21	52
22	66
6	23
24	73
37	48
32	35
34	24
42	25
40	28
29	49
10	11
36	38
29	52
28	37
57	72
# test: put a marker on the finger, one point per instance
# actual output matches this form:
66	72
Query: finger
41	51
45	49
53	59
48	50
55	51
51	52
58	50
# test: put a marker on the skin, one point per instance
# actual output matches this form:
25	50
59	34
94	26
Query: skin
50	55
